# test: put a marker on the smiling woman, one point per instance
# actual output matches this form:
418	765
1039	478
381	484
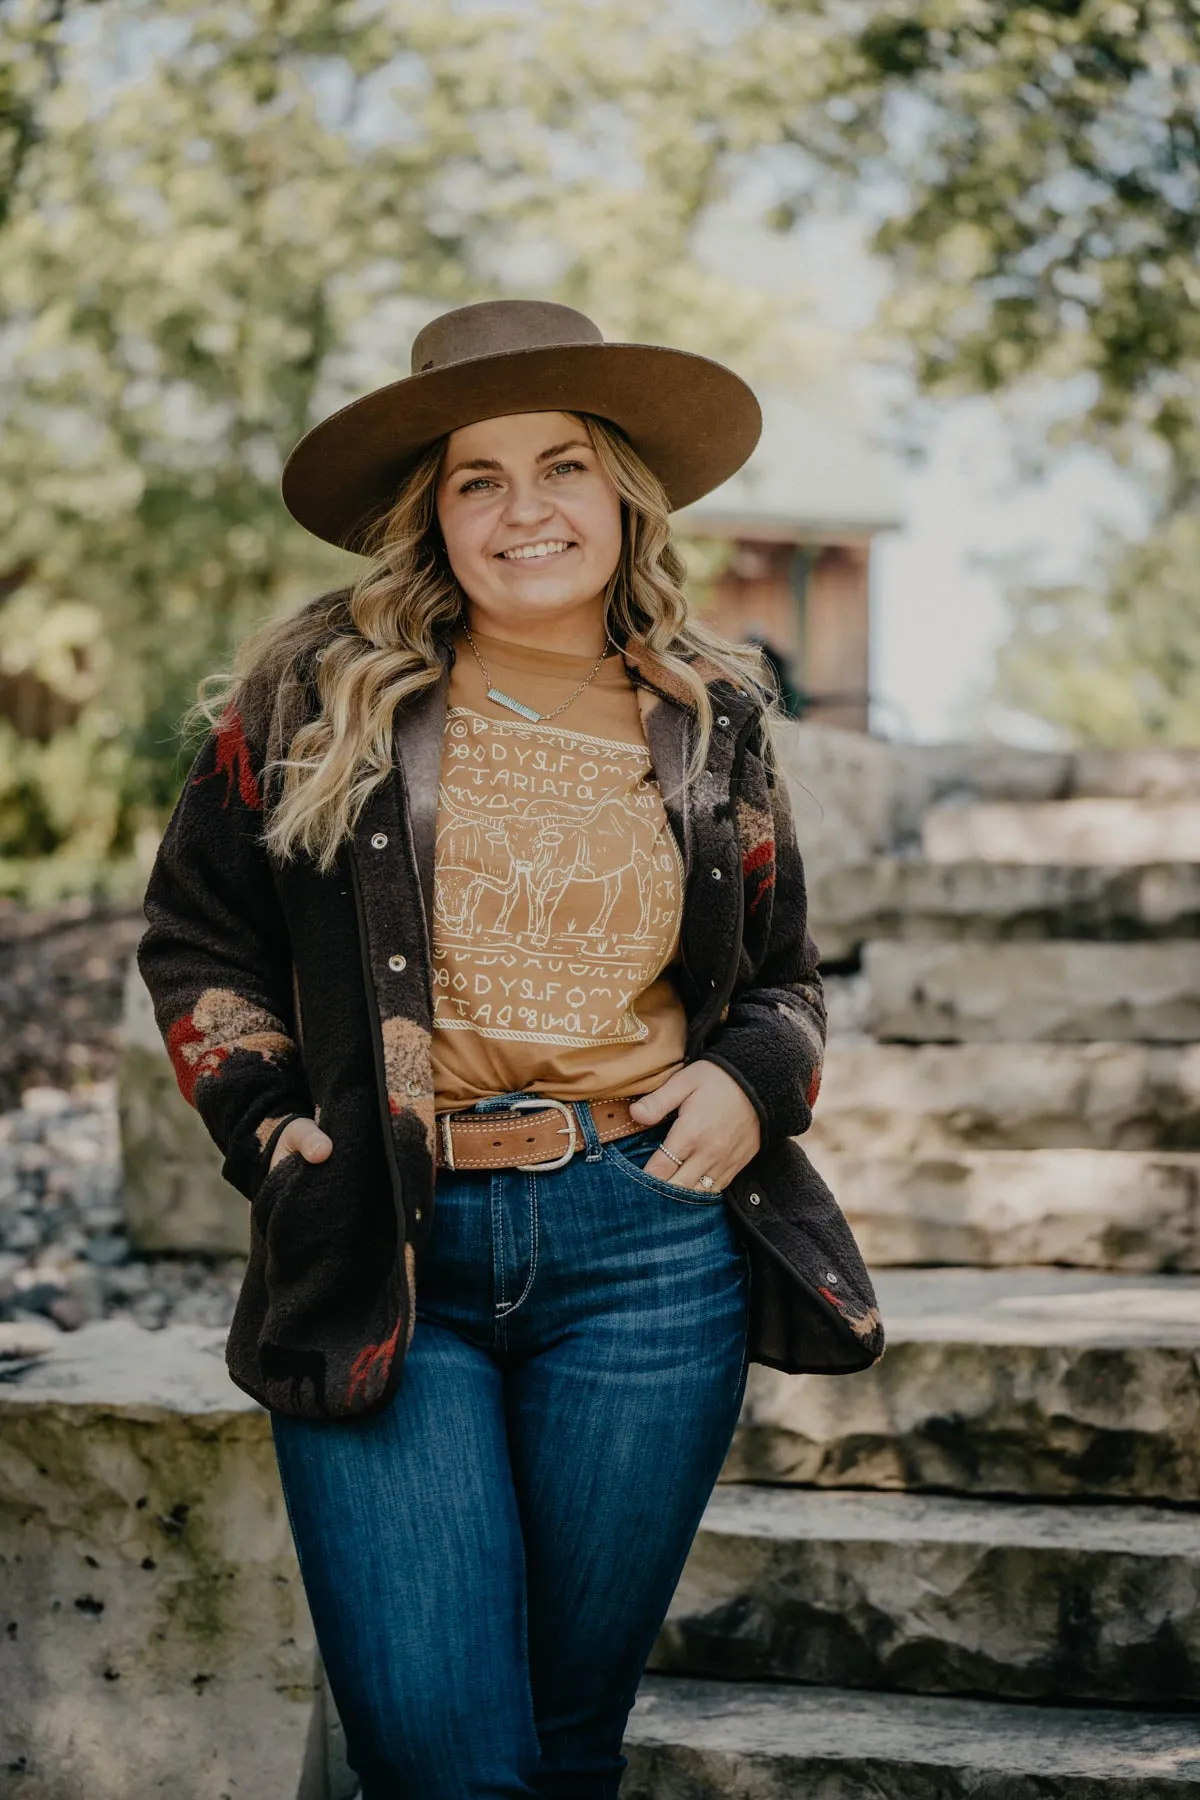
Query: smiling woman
411	597
508	887
531	521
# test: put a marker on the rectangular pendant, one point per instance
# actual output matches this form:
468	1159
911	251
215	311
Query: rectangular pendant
516	706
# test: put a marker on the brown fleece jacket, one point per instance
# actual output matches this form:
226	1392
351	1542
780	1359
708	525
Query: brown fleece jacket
281	991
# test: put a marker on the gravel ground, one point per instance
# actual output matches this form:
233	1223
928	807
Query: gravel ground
64	1256
62	969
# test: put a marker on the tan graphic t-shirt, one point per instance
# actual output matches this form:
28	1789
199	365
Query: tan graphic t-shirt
558	888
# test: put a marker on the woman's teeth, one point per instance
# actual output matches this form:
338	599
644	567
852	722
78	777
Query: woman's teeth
526	552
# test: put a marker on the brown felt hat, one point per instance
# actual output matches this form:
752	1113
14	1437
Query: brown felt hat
692	420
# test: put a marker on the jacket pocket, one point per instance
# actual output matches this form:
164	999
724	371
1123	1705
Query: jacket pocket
269	1189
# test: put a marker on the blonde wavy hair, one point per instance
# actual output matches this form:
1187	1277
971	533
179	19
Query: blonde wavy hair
370	648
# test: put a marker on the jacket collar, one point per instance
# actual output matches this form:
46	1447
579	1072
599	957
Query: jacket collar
646	669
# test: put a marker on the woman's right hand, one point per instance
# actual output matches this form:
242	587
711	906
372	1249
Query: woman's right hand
302	1137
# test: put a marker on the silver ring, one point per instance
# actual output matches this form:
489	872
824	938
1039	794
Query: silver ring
706	1181
677	1160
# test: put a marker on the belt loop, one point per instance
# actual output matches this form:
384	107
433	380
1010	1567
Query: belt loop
583	1112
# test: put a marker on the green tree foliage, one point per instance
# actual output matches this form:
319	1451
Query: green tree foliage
1038	170
1128	671
213	214
1042	175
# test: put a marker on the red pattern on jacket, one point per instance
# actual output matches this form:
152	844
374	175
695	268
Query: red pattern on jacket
760	860
182	1036
372	1360
233	760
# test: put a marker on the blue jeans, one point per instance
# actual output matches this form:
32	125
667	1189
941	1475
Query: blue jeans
488	1559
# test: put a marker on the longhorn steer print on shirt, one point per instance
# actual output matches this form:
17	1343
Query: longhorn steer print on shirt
544	855
574	852
475	857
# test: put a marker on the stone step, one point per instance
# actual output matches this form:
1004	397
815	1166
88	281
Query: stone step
935	1099
156	1637
1152	773
716	1740
856	796
1061	992
1107	831
923	776
990	901
941	1596
1032	1382
1092	1209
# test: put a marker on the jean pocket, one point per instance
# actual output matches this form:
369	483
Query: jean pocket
630	1154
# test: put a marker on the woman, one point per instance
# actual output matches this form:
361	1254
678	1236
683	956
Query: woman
478	938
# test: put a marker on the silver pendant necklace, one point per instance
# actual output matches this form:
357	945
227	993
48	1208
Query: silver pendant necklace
519	706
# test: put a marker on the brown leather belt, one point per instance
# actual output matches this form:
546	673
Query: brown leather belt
538	1133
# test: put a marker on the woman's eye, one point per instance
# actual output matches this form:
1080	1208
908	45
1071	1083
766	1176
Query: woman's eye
479	482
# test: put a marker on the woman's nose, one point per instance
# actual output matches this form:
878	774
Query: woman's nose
527	503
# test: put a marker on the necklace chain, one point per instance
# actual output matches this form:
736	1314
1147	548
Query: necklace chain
518	706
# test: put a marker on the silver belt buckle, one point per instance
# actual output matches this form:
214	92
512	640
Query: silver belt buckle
539	1103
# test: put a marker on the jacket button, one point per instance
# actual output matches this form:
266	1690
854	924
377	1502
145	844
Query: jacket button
397	962
379	841
417	1214
716	874
723	721
831	1278
756	1199
412	1089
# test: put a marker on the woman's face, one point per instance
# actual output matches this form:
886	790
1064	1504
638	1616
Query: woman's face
531	522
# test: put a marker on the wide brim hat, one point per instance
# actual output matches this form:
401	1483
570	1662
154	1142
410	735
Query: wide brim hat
693	421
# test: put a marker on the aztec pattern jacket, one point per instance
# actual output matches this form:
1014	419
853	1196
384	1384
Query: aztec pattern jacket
281	992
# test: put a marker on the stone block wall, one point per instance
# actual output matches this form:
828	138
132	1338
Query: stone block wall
155	1636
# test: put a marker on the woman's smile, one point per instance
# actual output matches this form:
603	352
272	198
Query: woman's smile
551	550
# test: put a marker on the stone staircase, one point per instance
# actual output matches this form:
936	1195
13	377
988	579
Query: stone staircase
975	1569
971	1573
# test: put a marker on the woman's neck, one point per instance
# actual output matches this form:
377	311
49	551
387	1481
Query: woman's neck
580	632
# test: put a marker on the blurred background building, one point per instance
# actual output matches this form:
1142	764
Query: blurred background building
801	517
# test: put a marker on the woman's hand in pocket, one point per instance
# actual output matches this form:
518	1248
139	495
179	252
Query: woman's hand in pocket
716	1131
302	1137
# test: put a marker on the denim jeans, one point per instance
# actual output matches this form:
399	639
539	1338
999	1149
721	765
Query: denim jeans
488	1559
